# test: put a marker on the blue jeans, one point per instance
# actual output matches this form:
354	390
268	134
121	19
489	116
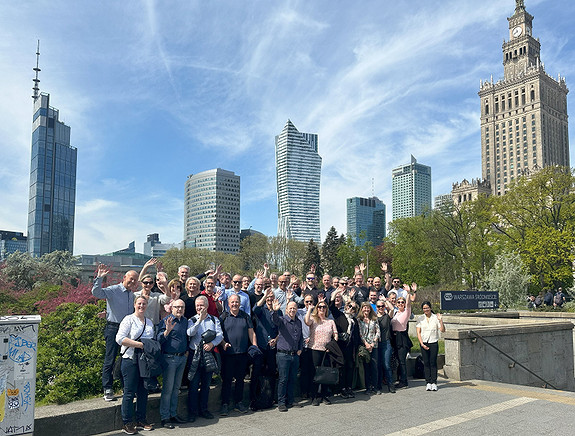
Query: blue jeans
287	368
384	364
112	349
172	375
201	380
133	387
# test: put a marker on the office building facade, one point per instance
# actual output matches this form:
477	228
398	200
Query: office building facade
52	198
524	124
11	242
212	211
366	220
410	189
298	173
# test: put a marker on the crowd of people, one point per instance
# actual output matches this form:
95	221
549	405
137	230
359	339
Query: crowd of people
341	337
547	299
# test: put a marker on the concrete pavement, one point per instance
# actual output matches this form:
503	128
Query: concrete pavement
458	408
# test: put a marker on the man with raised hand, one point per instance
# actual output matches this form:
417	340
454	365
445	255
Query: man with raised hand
119	303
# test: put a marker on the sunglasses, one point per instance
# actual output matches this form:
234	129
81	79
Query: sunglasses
322	307
308	302
401	302
147	283
380	307
310	278
237	281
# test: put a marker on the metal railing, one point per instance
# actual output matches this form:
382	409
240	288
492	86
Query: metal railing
515	362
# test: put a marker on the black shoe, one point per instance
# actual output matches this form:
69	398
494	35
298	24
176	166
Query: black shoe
401	385
391	389
351	393
176	419
206	415
191	418
166	423
282	408
326	400
316	401
344	395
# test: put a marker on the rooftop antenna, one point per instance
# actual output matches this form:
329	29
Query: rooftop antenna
372	188
37	70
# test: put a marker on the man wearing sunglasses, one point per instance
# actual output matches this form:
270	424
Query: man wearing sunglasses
236	290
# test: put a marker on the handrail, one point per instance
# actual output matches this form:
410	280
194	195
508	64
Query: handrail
514	361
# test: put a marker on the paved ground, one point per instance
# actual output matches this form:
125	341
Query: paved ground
458	408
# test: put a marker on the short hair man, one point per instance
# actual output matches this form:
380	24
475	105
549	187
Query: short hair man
119	303
289	348
237	290
238	331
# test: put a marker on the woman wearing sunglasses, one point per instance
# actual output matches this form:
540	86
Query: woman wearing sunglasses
321	331
399	326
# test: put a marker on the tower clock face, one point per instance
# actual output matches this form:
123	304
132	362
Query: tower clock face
517	31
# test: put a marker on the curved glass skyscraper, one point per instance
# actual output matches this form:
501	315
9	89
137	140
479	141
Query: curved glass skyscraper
298	171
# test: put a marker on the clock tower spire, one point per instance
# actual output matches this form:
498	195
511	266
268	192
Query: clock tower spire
522	50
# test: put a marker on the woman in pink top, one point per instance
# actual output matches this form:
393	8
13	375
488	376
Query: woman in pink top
321	331
400	337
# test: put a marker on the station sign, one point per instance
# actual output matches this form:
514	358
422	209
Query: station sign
469	300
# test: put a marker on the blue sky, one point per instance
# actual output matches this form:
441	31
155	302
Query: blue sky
155	91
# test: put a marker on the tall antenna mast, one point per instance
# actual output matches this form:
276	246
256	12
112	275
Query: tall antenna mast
372	188
37	70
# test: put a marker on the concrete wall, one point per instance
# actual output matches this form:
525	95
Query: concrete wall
545	347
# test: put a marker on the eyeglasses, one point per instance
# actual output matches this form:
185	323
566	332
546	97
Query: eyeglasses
308	301
322	307
237	281
396	281
342	283
310	278
380	307
283	281
401	302
147	283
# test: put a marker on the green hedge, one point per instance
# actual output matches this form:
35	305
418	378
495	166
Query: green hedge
70	353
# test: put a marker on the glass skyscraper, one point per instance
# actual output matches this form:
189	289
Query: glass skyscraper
410	189
212	211
366	220
298	172
52	198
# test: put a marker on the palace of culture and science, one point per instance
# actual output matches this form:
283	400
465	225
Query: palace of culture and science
523	116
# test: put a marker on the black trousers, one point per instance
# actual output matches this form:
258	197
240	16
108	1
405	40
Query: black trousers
430	361
233	367
320	391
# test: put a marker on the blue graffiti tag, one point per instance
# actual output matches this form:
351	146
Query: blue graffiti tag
21	349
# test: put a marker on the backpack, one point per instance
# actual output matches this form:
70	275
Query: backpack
558	299
264	398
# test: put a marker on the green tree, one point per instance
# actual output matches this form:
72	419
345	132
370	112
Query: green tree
199	260
330	261
286	255
416	257
510	278
254	252
312	257
536	209
349	255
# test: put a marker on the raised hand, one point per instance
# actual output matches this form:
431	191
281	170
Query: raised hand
151	262
103	270
159	266
276	305
439	316
384	267
356	269
414	287
289	294
169	325
320	298
362	267
218	294
259	274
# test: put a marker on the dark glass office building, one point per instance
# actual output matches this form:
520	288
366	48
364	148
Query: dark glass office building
52	182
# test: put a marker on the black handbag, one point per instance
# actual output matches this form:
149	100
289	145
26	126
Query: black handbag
326	375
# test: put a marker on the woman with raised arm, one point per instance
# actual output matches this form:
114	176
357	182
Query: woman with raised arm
399	326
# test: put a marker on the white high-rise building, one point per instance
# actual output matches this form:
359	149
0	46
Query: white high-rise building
298	171
212	211
410	189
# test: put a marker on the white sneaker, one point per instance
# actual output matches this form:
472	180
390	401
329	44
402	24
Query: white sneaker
433	387
428	387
